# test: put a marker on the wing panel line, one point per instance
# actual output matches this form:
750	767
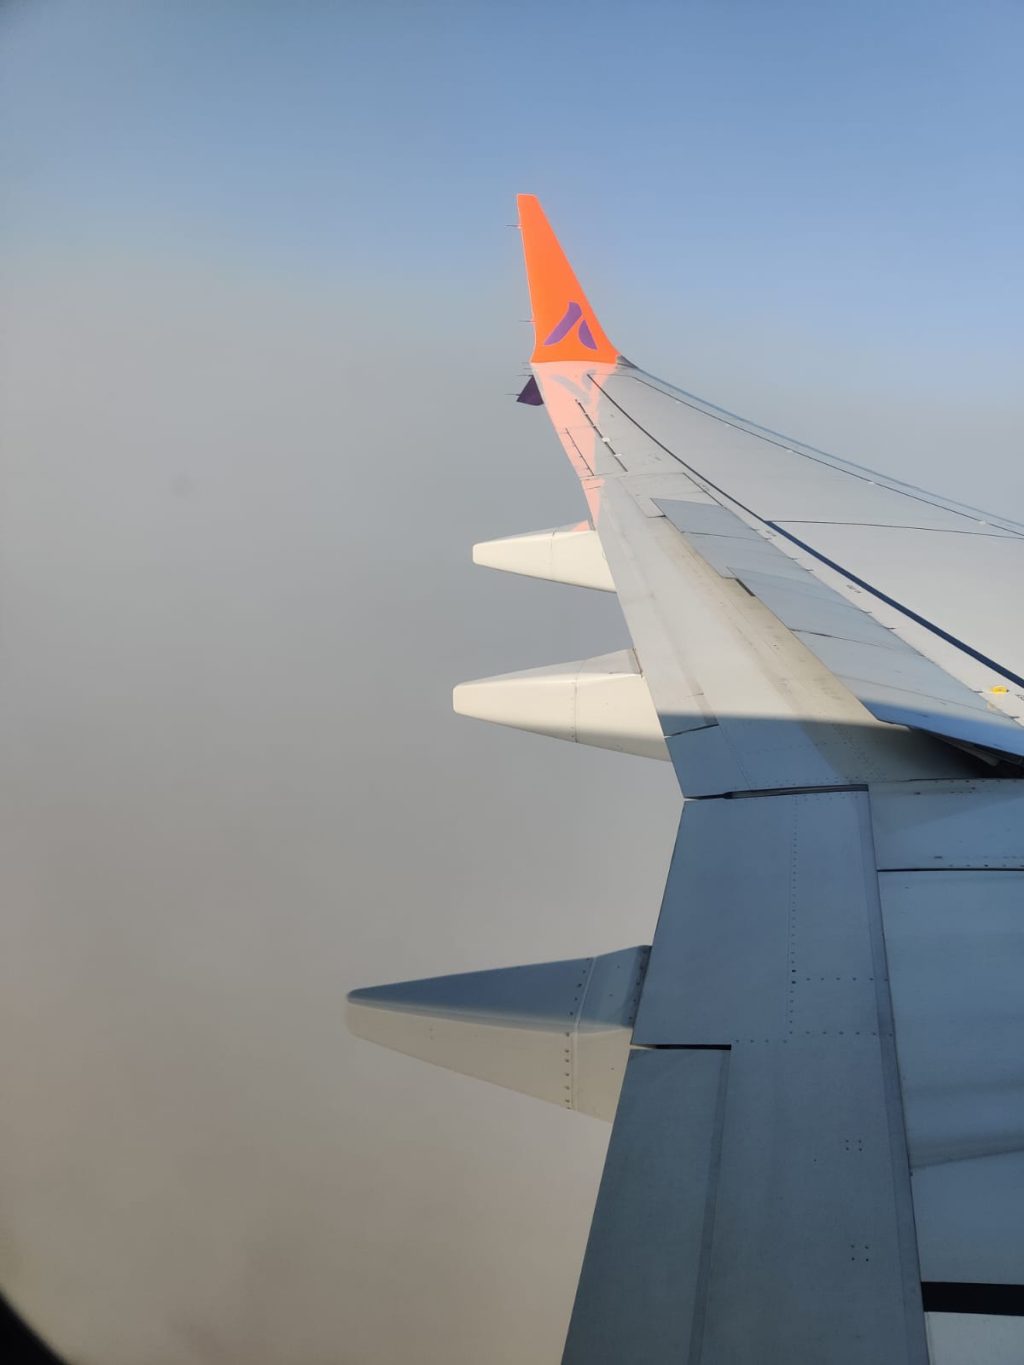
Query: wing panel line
859	582
820	457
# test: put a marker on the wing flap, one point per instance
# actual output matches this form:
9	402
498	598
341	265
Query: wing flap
756	1204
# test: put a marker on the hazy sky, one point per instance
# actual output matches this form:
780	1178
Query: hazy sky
261	315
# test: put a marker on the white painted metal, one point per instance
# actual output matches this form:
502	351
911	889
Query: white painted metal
567	554
602	701
777	478
638	454
557	1030
647	489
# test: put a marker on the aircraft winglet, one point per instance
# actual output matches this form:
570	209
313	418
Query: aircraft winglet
564	324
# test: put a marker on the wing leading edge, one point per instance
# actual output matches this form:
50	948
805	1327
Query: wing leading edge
820	1133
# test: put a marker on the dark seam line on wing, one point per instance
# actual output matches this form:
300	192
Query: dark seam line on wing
839	788
776	438
956	867
894	526
684	1047
897	648
954	1296
752	539
899	606
831	563
579	452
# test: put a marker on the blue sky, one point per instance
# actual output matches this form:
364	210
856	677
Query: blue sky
791	158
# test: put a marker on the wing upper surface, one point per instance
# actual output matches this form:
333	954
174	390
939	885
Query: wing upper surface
937	575
949	568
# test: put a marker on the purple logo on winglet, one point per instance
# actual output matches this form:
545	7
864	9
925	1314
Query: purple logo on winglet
572	315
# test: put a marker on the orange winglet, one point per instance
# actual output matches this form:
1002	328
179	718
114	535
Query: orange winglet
564	324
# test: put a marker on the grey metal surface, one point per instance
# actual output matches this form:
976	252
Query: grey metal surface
729	545
644	1273
955	941
706	762
969	1220
949	824
809	606
956	952
886	665
975	1339
707	519
769	945
769	900
813	1255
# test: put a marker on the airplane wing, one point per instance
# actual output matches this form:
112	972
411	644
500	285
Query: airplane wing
816	1072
